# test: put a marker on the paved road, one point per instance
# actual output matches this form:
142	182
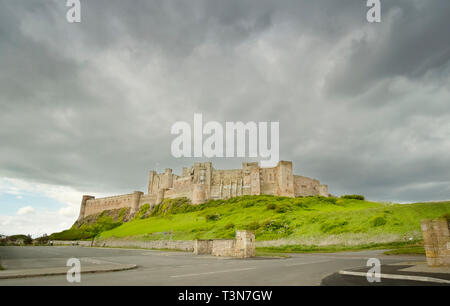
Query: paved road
338	279
180	268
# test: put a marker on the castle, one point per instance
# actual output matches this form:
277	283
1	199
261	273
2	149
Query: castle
202	182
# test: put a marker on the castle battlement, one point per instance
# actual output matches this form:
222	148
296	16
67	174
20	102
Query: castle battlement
202	182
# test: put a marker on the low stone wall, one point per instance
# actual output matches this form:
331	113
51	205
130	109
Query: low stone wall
243	246
436	238
203	247
74	243
184	245
224	247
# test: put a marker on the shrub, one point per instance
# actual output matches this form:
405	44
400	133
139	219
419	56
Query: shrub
271	206
248	203
214	217
28	240
177	206
122	213
229	226
253	226
340	202
333	227
282	209
278	227
142	211
314	219
17	239
353	197
378	221
331	200
103	224
273	225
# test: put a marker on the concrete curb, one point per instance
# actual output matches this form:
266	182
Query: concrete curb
398	276
63	271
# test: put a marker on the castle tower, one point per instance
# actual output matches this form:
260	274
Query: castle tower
252	178
83	206
167	179
285	179
202	176
185	172
151	181
198	194
323	190
135	201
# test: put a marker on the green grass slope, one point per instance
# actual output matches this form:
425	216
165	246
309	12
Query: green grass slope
92	226
308	220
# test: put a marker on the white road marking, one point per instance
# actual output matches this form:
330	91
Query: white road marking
97	261
245	269
402	277
212	272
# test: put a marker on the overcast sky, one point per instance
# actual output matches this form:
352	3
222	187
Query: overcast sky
87	108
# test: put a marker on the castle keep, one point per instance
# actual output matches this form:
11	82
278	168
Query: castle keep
202	182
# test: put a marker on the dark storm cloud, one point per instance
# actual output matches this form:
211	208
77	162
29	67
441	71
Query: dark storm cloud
414	41
363	107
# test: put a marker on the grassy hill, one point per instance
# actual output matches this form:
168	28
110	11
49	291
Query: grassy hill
305	221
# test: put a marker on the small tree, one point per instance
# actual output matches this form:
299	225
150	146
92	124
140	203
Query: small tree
96	231
28	240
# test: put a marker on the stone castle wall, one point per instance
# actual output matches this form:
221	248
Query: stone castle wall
305	186
202	182
91	206
94	206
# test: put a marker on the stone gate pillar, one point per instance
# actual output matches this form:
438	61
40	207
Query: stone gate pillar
245	244
436	239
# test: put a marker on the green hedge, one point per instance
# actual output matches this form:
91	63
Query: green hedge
353	197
